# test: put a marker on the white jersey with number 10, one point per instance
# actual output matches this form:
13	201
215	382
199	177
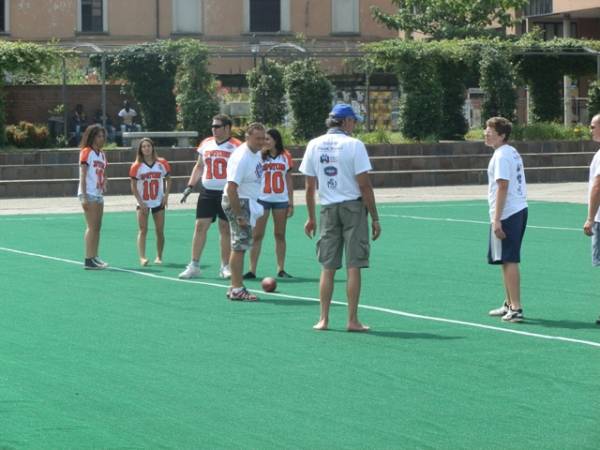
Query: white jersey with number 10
274	186
215	157
151	180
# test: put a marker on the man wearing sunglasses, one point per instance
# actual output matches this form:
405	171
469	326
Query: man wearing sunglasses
591	227
211	167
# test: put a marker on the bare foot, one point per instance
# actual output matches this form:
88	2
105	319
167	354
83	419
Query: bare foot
321	325
357	327
143	262
158	261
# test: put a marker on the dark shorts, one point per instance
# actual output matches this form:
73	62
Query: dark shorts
343	228
156	209
274	205
209	205
508	250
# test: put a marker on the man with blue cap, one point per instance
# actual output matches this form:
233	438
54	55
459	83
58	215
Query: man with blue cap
337	165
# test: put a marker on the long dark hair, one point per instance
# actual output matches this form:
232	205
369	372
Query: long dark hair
276	135
90	134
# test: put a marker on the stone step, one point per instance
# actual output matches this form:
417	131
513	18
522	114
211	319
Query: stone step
380	163
124	155
389	178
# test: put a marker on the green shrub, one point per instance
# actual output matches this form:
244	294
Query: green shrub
498	82
27	135
267	93
310	97
594	96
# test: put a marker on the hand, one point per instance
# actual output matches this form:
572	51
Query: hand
309	228
242	222
84	203
375	229
144	209
290	211
587	227
187	191
498	231
165	201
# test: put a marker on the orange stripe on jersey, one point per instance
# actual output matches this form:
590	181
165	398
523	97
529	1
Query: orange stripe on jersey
290	161
133	171
84	154
165	164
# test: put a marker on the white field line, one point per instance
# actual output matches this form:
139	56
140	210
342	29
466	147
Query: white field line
479	222
316	300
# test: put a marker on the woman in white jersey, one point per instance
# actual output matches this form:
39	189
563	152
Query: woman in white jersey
92	185
277	195
150	185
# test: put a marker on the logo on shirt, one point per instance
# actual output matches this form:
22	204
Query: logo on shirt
326	159
330	171
258	171
332	183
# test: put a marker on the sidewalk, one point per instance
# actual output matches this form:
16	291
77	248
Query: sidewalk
555	192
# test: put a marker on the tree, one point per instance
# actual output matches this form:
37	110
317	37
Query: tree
447	19
267	93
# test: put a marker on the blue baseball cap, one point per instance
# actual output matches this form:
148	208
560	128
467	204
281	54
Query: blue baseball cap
343	110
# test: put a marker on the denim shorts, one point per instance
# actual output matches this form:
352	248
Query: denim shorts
274	205
92	198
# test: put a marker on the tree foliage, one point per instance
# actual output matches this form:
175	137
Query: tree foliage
267	93
498	81
24	57
310	96
446	19
594	96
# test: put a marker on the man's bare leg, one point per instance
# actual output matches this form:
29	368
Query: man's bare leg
512	283
353	294
236	265
325	293
199	239
225	241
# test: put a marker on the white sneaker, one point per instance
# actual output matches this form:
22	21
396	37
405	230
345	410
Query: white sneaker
191	271
499	312
225	271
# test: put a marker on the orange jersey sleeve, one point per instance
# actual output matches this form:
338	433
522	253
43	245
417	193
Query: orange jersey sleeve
133	171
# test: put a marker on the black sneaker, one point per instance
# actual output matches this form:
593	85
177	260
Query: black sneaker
513	315
249	276
598	321
91	264
284	274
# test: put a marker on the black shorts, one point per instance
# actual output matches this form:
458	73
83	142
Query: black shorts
209	205
156	209
508	250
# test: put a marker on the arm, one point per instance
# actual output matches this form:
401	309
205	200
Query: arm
168	183
593	204
309	226
136	194
368	198
231	189
501	195
290	187
83	168
194	177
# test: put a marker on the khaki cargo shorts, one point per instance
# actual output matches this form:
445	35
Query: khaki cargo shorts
343	227
241	237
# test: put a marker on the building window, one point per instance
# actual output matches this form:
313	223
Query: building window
3	16
344	16
554	30
187	16
538	8
92	16
266	16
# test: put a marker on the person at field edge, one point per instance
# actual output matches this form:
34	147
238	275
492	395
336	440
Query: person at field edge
91	189
150	185
507	198
240	203
591	227
213	156
339	165
277	195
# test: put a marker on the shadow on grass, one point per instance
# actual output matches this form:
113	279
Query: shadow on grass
565	324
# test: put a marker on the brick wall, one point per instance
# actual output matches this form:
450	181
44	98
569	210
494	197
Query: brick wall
32	103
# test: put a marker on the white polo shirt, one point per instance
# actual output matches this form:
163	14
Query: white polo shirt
595	172
506	164
245	169
335	159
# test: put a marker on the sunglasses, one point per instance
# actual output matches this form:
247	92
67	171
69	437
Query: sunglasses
217	126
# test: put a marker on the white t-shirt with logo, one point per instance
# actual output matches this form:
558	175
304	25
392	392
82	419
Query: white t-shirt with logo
595	172
96	164
127	116
245	169
335	159
214	158
506	164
